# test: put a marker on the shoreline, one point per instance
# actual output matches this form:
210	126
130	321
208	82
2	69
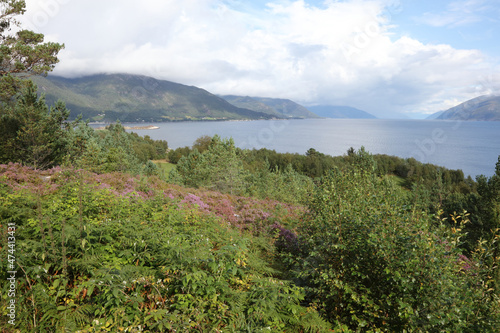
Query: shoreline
105	123
147	127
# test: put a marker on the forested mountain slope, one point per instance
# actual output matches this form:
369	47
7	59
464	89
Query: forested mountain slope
133	98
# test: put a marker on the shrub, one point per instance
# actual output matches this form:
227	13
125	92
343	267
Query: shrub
115	252
373	262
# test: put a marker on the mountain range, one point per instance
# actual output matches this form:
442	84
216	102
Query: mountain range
136	98
275	106
133	98
482	108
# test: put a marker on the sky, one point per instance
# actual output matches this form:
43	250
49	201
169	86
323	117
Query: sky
392	58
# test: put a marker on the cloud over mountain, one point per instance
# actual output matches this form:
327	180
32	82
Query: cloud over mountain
336	52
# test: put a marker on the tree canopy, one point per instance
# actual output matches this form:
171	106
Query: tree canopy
22	52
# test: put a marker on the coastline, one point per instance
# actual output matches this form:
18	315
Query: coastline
147	127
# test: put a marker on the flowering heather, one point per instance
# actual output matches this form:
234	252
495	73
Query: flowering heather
16	174
246	213
287	240
20	177
169	195
120	182
192	199
249	214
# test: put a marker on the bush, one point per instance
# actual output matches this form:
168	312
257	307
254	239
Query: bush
115	252
373	262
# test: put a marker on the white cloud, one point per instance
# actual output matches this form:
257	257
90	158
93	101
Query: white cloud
340	53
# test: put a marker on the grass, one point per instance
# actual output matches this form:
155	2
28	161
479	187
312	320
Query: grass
398	180
164	166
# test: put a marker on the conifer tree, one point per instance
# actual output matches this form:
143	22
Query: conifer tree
30	131
33	133
23	53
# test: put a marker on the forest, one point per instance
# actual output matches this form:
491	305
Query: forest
96	235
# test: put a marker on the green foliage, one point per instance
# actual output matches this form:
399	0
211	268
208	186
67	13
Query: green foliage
315	164
32	133
148	149
112	252
79	136
484	227
150	169
203	143
219	167
21	53
175	155
99	254
113	149
286	186
104	251
373	262
118	151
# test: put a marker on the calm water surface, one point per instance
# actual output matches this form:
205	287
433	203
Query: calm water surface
473	147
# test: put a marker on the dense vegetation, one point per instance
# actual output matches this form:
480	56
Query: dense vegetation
95	237
115	251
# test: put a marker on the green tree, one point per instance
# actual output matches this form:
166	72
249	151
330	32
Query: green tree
78	138
225	165
93	157
175	155
219	168
487	226
22	53
32	133
286	186
148	149
118	152
190	170
202	143
373	262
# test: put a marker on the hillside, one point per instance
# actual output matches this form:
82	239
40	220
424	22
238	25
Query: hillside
133	98
482	108
273	106
331	111
434	115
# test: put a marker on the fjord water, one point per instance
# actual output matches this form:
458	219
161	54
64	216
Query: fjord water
473	147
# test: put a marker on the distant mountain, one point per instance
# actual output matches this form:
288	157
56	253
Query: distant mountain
273	106
331	111
483	108
435	115
133	98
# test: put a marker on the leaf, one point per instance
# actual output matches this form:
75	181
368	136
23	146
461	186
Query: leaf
90	290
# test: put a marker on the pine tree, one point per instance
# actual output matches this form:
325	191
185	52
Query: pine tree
33	134
22	53
30	132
